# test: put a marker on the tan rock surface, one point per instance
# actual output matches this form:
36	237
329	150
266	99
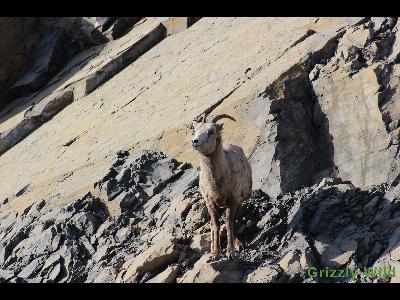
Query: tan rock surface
156	256
139	101
166	276
265	274
213	272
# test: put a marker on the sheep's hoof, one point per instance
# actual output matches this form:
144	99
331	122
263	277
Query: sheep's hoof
230	254
239	244
213	259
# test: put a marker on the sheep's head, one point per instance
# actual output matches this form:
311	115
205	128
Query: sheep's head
207	134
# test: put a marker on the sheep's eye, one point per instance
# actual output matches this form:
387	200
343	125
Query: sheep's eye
211	131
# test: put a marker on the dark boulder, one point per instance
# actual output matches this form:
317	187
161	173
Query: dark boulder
120	26
54	49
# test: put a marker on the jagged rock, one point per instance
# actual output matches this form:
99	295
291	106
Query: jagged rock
160	254
177	211
53	275
396	45
85	243
109	67
353	41
103	23
120	26
14	54
140	181
54	49
357	76
290	263
266	274
33	118
32	267
177	24
201	243
166	276
102	275
6	275
335	256
213	272
48	44
50	106
392	194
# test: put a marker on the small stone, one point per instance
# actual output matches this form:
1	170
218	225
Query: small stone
201	243
167	276
207	271
266	274
163	252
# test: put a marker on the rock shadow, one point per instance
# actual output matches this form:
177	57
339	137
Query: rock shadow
305	149
47	71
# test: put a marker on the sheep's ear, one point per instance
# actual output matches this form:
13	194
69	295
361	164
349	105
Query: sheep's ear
220	126
194	123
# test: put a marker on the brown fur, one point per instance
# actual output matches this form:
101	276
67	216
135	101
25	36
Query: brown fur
225	181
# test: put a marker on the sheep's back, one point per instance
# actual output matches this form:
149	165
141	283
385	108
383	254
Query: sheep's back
239	171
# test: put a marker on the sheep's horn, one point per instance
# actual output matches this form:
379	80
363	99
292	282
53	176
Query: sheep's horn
201	118
218	117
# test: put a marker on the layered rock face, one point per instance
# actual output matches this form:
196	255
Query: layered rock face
99	182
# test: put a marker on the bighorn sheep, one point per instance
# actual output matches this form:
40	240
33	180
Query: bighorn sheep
225	179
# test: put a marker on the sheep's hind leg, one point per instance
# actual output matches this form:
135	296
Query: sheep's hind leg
230	228
238	243
212	239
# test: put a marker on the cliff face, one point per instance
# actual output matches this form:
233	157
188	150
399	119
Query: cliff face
35	49
99	182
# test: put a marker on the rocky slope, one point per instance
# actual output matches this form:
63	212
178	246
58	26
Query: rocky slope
99	183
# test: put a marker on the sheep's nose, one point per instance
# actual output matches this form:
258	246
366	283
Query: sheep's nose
194	142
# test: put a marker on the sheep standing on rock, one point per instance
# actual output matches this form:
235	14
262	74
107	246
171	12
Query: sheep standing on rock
225	179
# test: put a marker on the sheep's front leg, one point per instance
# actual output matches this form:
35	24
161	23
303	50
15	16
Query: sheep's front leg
215	240
237	241
231	230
